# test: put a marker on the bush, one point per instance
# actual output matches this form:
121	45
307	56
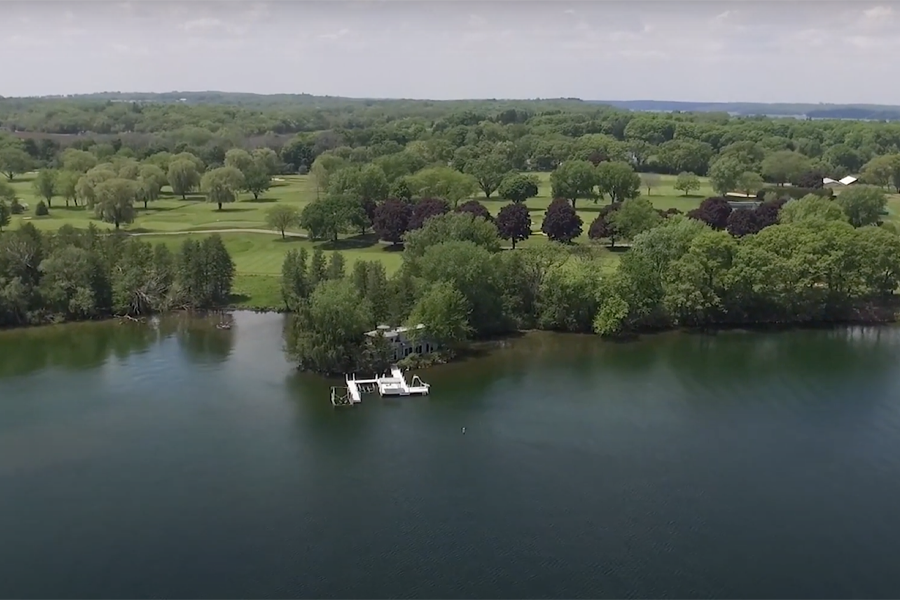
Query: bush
40	210
793	193
15	207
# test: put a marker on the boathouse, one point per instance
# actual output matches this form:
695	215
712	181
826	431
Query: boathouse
401	342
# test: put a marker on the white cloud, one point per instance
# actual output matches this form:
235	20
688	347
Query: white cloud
512	48
335	35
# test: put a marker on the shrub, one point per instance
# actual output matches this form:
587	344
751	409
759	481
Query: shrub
41	210
793	193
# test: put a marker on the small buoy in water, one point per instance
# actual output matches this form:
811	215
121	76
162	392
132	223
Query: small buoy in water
463	429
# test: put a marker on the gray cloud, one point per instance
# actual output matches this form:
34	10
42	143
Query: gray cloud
701	50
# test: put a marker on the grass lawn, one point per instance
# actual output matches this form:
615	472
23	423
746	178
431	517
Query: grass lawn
258	256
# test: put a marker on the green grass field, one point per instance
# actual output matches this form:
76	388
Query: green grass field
258	256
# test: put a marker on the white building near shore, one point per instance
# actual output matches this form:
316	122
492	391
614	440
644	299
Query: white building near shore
400	342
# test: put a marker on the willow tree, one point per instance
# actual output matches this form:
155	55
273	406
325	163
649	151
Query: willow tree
222	185
114	200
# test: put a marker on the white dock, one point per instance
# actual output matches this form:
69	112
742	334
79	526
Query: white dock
393	385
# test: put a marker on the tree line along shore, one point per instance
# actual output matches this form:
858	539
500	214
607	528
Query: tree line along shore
474	222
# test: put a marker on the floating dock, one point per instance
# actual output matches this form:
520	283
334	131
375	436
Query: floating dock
394	384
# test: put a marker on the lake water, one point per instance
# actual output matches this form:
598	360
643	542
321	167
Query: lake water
184	461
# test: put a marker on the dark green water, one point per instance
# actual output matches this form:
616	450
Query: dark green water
183	461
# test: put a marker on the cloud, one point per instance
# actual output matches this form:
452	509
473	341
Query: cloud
336	35
751	51
877	13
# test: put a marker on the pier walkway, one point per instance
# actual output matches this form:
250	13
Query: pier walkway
393	385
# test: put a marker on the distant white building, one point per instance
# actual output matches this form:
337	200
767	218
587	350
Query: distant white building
400	342
848	180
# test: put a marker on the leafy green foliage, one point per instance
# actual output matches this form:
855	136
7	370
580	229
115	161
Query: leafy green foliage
114	201
574	179
331	215
618	180
44	185
79	274
222	185
282	217
811	208
518	187
862	204
687	183
444	311
183	176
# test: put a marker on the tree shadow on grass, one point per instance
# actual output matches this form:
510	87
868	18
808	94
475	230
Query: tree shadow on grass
356	242
157	209
239	298
260	200
70	208
233	209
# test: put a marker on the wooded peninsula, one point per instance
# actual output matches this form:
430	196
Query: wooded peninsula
476	218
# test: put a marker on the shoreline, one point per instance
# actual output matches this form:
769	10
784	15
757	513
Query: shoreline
884	314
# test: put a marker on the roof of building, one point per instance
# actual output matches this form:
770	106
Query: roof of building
848	180
390	332
827	180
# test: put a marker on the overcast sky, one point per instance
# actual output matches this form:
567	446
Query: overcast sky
704	50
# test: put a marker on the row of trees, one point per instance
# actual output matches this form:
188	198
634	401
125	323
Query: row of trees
809	262
482	140
83	273
113	188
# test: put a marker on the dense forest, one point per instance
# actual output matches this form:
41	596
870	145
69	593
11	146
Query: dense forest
77	274
417	173
536	135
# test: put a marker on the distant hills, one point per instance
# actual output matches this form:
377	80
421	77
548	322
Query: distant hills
873	112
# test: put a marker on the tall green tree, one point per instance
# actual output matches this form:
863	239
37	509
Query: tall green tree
330	215
14	161
518	187
44	185
784	166
687	182
634	216
183	176
725	173
863	204
328	333
488	171
114	201
574	179
66	185
281	217
151	180
443	182
811	207
444	311
78	161
618	180
222	185
5	214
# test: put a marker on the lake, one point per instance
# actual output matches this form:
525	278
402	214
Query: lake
178	460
